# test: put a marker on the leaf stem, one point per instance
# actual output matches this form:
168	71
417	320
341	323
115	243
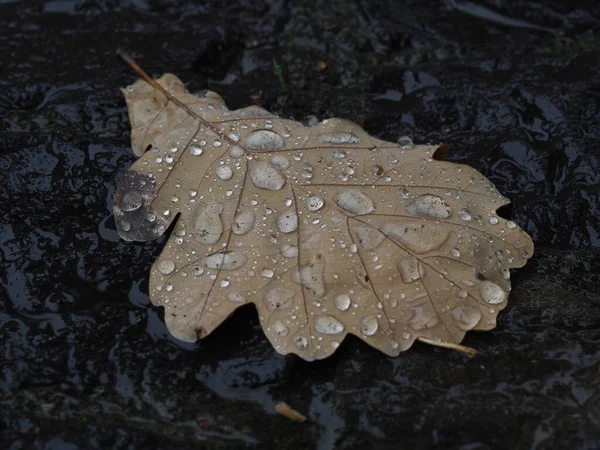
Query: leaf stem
152	82
470	352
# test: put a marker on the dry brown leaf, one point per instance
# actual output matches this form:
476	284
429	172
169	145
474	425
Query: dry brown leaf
327	230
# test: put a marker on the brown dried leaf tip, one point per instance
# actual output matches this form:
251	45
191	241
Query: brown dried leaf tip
327	230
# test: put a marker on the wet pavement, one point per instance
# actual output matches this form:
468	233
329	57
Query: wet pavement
86	361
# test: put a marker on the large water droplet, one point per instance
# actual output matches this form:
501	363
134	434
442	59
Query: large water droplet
466	317
289	251
166	266
429	206
224	172
267	273
243	221
280	161
263	140
236	151
277	298
236	297
404	193
300	342
491	293
310	121
266	176
314	203
254	111
368	237
341	137
377	170
328	325
287	222
369	325
355	202
197	270
342	302
417	238
405	142
280	328
225	261
465	214
423	318
311	277
208	225
131	201
409	269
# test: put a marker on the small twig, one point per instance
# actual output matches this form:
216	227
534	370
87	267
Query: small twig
471	352
285	410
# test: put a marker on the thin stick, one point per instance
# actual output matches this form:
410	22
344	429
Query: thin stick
471	352
285	410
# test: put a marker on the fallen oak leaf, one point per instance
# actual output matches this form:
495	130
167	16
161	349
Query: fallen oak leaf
328	230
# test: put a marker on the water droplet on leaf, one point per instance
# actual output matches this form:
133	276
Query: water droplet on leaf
287	222
225	261
243	221
328	325
224	172
405	142
341	137
166	266
429	206
131	201
355	202
491	293
369	325
342	302
465	214
266	176
263	140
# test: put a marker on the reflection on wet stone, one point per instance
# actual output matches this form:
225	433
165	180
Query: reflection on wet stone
76	324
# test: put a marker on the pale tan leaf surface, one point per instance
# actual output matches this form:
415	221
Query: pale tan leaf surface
326	229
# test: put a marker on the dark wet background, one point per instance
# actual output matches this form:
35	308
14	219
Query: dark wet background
86	362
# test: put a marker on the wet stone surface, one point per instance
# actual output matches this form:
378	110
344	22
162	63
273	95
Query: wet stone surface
86	361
